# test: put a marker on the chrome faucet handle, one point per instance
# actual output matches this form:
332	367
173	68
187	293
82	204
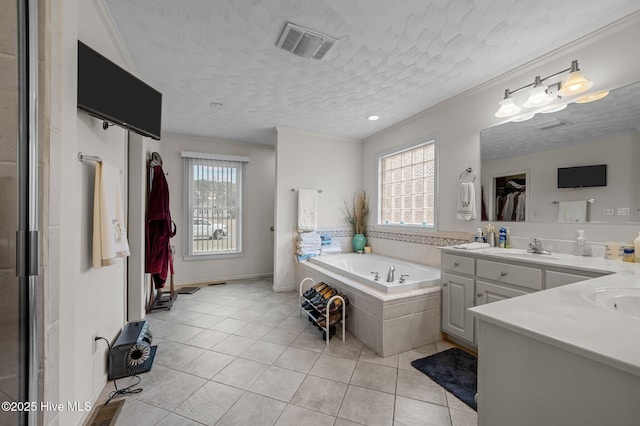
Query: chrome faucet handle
403	278
377	276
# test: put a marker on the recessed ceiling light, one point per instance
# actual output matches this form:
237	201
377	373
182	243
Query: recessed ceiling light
373	117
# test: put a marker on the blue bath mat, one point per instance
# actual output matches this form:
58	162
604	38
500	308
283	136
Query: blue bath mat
455	370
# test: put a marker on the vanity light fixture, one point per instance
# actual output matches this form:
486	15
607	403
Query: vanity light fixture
543	94
592	97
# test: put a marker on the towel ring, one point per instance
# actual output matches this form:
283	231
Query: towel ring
468	170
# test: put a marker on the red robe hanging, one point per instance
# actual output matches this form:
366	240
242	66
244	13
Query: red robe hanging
159	229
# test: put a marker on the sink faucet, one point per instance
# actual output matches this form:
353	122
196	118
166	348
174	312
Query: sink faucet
390	274
535	246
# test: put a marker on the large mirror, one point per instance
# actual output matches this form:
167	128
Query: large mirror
520	162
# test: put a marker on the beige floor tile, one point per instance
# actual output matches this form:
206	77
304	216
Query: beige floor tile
207	338
417	385
281	336
176	420
234	345
208	364
240	373
333	368
209	403
278	383
264	352
376	377
208	321
410	412
137	413
253	330
271	318
367	355
169	393
229	325
175	332
343	422
463	418
297	359
310	340
350	348
252	409
318	394
367	406
175	355
298	323
297	416
405	358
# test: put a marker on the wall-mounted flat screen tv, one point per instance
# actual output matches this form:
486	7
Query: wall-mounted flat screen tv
110	93
582	177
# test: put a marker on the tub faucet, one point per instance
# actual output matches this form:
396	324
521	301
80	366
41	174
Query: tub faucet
376	276
403	278
390	278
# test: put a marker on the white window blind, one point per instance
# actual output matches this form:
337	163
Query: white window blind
214	189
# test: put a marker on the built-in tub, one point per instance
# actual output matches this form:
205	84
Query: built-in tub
362	267
389	318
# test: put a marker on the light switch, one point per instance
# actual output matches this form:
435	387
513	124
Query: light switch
607	212
623	211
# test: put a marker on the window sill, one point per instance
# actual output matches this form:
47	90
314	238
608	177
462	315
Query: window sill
212	256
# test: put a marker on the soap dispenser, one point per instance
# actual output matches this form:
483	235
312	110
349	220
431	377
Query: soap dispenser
584	248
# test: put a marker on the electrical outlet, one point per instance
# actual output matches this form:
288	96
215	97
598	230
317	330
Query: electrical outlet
623	211
94	343
607	212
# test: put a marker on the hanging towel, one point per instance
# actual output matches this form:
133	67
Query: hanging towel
466	201
307	210
572	211
109	233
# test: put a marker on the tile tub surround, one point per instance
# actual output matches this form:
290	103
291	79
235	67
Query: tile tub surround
205	387
387	323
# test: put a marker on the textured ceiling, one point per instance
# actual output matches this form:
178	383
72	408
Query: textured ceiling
393	58
583	123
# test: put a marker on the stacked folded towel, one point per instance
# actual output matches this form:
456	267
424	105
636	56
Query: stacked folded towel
333	247
308	245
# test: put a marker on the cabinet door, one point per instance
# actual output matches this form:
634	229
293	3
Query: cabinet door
487	292
555	279
457	297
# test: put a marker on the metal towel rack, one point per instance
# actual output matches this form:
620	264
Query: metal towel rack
468	170
90	158
590	201
319	190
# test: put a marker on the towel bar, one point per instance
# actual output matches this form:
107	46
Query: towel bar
468	170
590	201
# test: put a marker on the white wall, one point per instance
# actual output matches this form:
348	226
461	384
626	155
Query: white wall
604	57
258	206
311	161
619	152
92	301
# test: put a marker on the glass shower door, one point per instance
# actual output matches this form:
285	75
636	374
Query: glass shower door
18	210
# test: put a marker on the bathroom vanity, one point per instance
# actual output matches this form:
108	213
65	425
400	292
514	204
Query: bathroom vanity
565	352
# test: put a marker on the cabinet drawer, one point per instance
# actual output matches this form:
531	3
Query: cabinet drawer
512	274
458	264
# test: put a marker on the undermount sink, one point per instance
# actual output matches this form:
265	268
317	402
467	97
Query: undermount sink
623	300
519	253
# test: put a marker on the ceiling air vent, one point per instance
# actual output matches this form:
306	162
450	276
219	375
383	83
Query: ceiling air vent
303	42
550	124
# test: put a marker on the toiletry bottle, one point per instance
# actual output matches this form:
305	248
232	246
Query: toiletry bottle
583	249
503	237
507	243
628	253
636	246
479	238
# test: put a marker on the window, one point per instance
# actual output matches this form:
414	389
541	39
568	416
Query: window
213	211
407	186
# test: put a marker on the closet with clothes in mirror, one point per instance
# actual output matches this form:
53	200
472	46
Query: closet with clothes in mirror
510	193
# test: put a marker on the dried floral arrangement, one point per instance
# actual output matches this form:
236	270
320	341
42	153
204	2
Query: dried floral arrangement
357	211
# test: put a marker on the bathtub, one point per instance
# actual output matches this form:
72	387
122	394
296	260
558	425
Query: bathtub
388	318
359	267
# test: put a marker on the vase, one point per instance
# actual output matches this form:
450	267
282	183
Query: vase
358	241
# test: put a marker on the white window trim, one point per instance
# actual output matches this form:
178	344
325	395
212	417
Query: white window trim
188	190
378	226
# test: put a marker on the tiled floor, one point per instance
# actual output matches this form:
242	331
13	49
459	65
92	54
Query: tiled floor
239	354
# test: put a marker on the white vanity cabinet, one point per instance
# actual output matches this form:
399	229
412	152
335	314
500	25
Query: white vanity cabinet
473	279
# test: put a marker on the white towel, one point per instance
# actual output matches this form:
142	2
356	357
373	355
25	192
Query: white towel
572	211
109	233
466	201
307	209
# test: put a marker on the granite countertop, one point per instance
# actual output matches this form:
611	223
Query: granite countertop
563	316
